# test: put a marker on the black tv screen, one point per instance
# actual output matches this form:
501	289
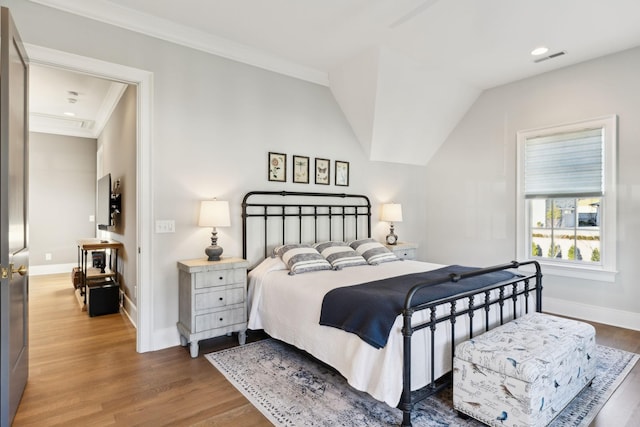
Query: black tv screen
103	203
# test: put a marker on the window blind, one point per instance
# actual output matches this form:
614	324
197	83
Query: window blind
565	164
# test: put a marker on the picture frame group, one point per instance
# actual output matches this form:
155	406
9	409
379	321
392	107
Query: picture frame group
277	167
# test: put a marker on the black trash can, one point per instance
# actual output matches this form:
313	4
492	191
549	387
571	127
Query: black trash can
103	298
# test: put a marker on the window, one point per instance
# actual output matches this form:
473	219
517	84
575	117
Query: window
566	212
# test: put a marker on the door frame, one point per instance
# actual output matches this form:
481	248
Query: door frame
144	81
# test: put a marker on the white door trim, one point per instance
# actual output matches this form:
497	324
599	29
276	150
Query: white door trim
144	81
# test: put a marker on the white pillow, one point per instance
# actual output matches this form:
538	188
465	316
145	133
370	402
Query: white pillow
301	258
270	264
339	254
374	252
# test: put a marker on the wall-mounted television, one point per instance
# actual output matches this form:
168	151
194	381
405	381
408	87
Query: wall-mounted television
107	203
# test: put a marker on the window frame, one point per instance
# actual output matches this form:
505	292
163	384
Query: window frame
606	271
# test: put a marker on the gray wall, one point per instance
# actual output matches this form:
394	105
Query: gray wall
118	143
62	191
473	216
215	120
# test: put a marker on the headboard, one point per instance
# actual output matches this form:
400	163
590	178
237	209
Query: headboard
271	218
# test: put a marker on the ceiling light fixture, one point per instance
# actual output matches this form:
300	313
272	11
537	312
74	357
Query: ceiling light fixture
69	113
541	50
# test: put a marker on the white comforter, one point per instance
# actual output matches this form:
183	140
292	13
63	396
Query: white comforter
288	309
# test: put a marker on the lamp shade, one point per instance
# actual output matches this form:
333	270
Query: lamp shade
391	212
214	213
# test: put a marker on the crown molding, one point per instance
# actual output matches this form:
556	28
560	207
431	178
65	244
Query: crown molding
109	104
109	13
58	125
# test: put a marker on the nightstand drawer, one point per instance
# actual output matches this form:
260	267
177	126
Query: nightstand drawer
220	319
212	300
404	250
218	298
220	277
405	253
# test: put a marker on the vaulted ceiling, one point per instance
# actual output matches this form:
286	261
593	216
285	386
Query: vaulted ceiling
404	72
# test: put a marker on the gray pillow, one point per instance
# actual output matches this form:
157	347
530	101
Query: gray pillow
374	252
301	258
339	254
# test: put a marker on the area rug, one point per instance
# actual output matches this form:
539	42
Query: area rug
292	389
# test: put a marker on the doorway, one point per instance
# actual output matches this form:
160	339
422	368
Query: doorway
143	81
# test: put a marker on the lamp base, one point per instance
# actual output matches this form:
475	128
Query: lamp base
392	238
213	252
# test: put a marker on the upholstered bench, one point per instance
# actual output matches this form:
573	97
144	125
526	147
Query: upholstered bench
524	372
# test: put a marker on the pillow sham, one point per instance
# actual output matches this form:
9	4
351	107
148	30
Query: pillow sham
302	258
374	252
339	254
268	264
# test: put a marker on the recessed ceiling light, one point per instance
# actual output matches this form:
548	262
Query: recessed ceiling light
69	113
539	51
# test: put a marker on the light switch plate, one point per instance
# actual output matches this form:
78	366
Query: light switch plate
165	226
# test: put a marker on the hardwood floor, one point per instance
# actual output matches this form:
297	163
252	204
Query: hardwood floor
623	409
85	371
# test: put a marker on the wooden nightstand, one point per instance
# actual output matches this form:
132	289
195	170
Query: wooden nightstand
404	250
213	300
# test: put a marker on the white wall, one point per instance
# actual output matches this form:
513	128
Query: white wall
62	194
473	217
118	144
214	121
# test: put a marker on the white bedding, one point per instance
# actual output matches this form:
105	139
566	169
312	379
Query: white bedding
288	308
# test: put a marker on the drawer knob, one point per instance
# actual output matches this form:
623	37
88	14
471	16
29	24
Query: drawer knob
221	319
221	298
220	278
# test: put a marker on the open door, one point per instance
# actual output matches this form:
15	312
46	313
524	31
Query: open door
14	254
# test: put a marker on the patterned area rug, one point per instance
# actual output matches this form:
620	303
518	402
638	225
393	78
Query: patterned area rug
291	389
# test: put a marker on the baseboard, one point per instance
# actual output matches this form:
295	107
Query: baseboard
40	270
165	338
129	309
607	316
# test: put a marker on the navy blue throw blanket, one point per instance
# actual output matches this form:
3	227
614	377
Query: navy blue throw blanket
369	309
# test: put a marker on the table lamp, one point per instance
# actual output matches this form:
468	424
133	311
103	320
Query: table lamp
391	212
214	213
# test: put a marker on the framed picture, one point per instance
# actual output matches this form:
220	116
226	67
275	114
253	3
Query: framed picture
323	167
301	169
342	173
277	167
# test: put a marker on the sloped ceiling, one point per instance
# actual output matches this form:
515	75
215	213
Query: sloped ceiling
400	110
404	71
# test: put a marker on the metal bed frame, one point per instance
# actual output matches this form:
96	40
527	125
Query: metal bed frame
353	211
510	290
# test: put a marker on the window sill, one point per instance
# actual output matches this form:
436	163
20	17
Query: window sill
579	272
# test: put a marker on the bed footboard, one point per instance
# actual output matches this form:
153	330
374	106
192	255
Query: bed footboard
514	294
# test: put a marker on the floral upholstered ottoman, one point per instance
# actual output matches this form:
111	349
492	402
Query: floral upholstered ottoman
524	372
